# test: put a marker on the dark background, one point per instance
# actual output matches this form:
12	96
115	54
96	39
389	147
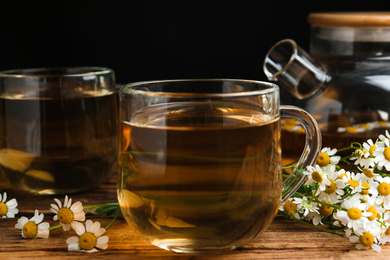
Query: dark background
148	40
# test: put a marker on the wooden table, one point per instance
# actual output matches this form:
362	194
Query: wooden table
284	239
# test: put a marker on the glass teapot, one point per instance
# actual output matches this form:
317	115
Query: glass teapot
344	82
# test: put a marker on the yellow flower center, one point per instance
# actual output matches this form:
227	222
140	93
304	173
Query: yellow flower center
372	149
323	159
353	183
382	123
30	229
65	215
87	241
366	126
351	129
368	173
367	239
343	175
316	176
354	213
3	209
386	153
387	233
374	213
331	188
326	210
366	186
290	206
384	189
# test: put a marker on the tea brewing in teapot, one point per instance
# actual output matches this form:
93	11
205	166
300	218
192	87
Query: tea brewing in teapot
344	82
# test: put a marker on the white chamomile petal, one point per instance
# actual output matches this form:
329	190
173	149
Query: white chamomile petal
44	225
77	207
39	218
102	240
66	227
95	227
66	202
72	240
58	202
79	228
74	247
12	203
80	216
88	225
54	208
21	222
94	250
102	246
70	203
99	232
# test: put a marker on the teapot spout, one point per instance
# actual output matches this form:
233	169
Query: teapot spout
294	69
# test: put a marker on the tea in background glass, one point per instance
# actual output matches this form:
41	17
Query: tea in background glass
200	161
58	128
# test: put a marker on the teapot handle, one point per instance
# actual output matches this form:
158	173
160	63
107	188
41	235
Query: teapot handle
294	69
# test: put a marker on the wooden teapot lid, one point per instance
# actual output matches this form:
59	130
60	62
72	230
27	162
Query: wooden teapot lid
352	19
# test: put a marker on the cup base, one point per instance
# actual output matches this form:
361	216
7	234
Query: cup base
188	247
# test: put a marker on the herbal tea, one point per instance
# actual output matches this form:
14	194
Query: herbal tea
200	175
56	145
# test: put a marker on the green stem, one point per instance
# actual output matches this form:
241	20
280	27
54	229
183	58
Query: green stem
54	227
101	205
322	229
112	221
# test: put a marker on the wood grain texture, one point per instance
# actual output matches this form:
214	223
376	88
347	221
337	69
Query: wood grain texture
284	239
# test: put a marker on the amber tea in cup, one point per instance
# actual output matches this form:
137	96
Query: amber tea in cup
200	161
58	128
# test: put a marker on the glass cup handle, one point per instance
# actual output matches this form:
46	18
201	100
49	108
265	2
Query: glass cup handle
310	152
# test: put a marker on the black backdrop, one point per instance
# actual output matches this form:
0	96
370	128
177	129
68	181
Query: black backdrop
145	40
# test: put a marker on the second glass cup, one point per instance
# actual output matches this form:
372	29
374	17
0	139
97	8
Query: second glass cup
58	128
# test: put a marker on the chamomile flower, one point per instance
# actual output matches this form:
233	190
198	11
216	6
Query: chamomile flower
318	175
383	189
352	180
365	156
334	191
33	228
385	234
326	157
382	152
323	211
376	213
353	217
68	215
291	207
351	129
369	174
367	240
306	206
89	240
8	208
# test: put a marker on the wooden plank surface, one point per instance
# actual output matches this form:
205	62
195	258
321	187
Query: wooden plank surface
284	239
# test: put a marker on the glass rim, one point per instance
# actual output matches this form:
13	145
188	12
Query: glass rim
129	89
45	72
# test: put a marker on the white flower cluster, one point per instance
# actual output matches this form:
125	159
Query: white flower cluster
69	215
356	201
